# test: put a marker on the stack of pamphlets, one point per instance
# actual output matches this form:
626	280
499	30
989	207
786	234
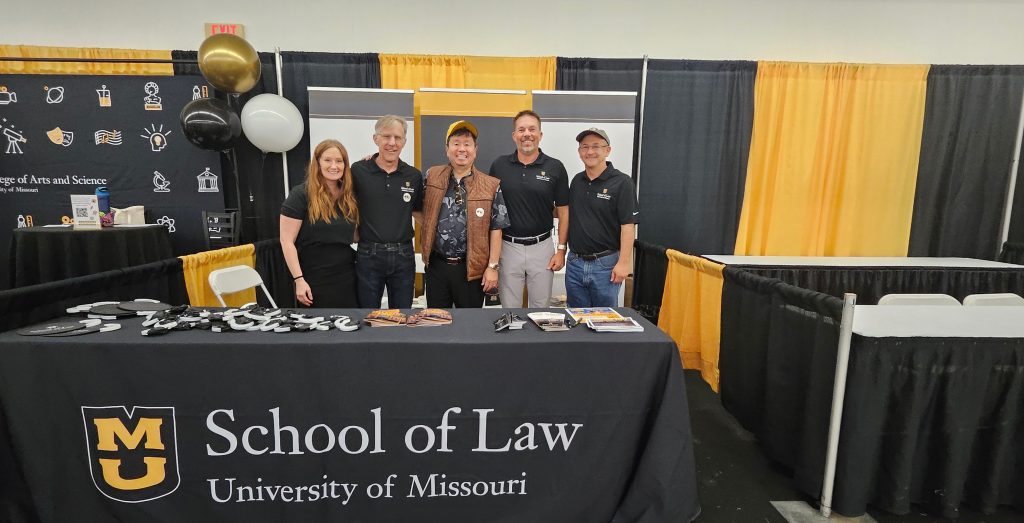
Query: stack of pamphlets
604	319
429	318
549	321
614	325
385	318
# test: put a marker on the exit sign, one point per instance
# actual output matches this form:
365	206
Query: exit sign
234	29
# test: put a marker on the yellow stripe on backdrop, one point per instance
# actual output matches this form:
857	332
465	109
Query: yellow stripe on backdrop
31	51
833	159
403	71
691	309
197	268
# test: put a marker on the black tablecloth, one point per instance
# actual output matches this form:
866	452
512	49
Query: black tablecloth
934	421
43	254
625	454
871	283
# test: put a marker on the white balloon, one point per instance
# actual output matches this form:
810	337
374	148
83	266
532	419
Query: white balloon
272	123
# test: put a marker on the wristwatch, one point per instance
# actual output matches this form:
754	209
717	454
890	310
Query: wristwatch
493	265
561	246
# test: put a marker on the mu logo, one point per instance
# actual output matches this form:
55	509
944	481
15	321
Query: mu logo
133	455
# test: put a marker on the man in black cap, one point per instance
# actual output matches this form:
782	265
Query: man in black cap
389	192
463	215
602	224
536	187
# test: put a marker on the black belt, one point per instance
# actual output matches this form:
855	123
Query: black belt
450	260
596	255
531	240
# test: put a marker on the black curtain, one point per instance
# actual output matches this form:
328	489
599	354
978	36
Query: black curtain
970	127
301	70
871	283
777	361
252	180
604	74
650	266
274	271
162	280
697	122
1013	252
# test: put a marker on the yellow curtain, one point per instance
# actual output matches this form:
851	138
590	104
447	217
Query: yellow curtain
833	159
411	71
199	266
691	311
32	51
495	72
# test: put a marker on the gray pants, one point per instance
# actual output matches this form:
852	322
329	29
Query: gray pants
525	265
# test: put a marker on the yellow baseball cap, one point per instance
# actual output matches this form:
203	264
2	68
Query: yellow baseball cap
461	124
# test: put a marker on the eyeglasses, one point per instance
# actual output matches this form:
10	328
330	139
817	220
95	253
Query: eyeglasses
595	148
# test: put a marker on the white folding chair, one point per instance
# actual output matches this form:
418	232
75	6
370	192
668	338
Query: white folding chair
235	279
918	299
1004	298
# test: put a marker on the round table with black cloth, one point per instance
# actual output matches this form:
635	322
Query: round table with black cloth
44	254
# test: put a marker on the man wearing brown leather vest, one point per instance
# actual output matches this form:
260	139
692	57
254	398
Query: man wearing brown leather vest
463	215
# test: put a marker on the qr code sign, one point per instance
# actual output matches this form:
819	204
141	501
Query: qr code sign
81	212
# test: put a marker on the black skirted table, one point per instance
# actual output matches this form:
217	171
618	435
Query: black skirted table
448	423
933	411
43	254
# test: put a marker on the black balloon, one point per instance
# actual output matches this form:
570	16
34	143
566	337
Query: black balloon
211	124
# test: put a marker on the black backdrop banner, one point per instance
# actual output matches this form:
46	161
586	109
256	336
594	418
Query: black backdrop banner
970	127
66	135
258	191
697	123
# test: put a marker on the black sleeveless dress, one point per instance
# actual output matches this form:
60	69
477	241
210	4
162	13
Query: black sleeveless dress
325	254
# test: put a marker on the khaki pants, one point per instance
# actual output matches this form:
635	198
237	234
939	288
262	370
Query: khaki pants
525	265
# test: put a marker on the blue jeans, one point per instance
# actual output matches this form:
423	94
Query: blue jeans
589	283
385	264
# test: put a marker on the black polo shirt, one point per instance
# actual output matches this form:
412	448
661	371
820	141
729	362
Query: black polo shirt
335	232
531	192
386	201
599	208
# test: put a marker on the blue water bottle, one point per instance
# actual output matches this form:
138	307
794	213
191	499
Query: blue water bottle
103	198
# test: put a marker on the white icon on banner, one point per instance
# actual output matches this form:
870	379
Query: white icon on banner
152	100
54	95
60	137
166	222
13	139
157	138
207	181
160	184
197	92
107	137
7	97
104	95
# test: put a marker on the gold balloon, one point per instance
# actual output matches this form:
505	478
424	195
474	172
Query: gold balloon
229	63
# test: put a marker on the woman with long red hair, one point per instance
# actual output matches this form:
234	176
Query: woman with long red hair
318	224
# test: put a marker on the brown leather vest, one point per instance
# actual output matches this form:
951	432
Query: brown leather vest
480	189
